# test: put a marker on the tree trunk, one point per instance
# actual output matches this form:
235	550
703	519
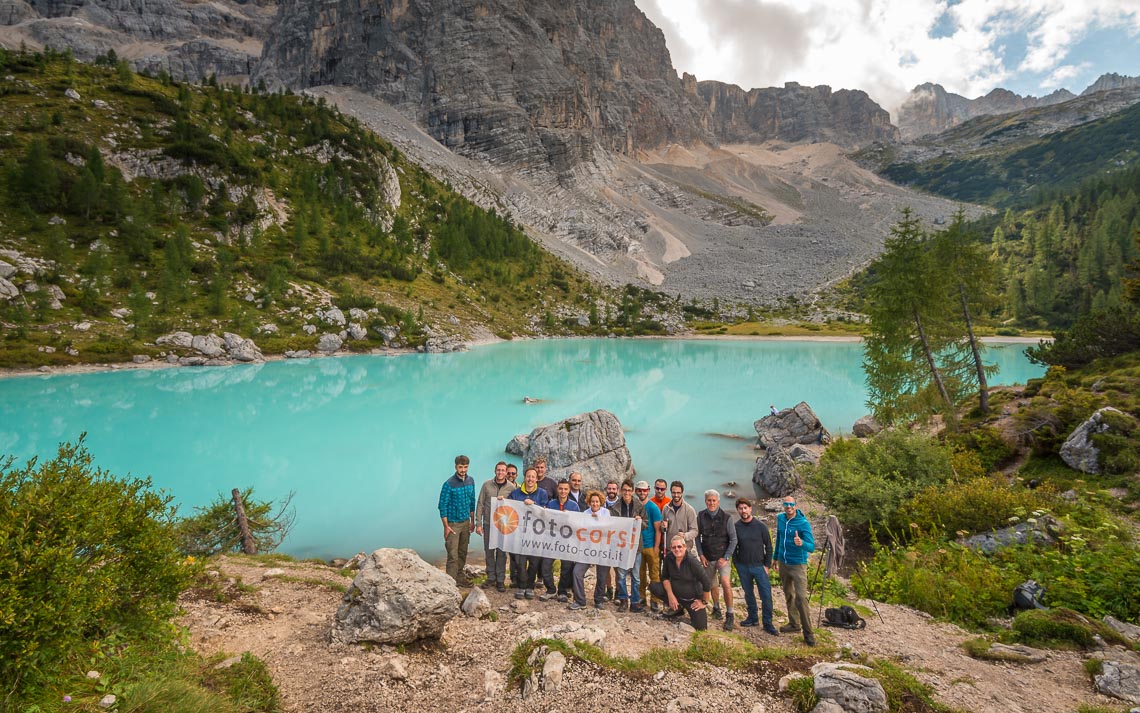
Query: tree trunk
983	388
933	367
248	545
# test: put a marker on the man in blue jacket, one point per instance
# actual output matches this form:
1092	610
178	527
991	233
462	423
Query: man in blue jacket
794	543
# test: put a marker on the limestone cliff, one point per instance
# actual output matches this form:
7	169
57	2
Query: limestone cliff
930	109
795	113
190	40
539	83
1110	81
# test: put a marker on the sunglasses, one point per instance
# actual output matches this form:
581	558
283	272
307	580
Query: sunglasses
789	505
660	490
677	547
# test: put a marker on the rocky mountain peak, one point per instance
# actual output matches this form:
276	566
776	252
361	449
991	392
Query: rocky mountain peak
1112	80
930	109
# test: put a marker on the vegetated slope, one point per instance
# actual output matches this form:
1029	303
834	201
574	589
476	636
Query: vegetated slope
1007	160
211	209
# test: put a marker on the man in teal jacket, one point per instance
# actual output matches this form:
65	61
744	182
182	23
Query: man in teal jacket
794	543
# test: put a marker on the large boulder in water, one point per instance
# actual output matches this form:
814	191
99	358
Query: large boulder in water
790	426
775	473
1078	450
396	598
592	444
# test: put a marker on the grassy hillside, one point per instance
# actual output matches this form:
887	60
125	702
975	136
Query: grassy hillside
212	209
1001	172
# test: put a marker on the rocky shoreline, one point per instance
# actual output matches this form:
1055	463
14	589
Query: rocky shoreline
402	351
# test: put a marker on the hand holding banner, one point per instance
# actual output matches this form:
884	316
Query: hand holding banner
579	537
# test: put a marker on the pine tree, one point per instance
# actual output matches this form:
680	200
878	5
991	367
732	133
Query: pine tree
39	178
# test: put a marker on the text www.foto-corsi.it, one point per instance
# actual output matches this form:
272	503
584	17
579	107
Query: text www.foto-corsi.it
564	548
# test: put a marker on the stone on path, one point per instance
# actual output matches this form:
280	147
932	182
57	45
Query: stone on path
476	604
843	687
552	670
395	667
1128	631
1119	680
1017	652
396	598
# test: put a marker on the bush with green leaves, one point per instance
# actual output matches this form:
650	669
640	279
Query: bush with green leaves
83	555
865	481
1059	627
977	505
1093	569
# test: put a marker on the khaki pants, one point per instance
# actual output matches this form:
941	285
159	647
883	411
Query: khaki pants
793	579
456	544
650	570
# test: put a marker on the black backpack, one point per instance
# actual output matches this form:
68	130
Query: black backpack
844	617
1027	595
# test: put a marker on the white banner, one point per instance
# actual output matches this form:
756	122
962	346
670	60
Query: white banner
532	530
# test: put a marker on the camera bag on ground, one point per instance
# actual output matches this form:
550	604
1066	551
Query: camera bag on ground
843	617
1027	595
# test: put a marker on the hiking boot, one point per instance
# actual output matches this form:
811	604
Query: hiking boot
789	628
622	605
750	622
547	597
809	640
728	621
562	598
771	630
519	594
609	594
600	605
717	614
575	606
500	587
637	608
528	593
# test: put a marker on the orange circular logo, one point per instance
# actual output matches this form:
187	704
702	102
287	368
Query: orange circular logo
506	519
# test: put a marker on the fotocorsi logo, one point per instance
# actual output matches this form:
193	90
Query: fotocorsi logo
506	519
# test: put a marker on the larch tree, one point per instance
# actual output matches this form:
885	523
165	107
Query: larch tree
911	328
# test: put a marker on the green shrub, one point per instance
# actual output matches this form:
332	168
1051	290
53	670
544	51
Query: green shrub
865	482
247	683
1119	445
83	556
1060	628
987	444
802	692
975	506
941	578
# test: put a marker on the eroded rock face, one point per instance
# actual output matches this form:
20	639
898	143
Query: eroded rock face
396	598
1119	680
930	109
1078	450
591	443
790	426
794	112
540	83
190	40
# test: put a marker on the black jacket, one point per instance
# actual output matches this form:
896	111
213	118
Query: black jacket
753	544
687	579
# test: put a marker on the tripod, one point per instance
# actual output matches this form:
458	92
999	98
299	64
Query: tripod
819	568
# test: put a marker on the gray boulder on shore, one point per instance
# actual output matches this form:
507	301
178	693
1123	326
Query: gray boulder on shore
775	473
592	444
396	598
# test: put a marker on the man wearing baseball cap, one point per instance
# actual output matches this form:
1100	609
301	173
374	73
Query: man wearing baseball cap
650	536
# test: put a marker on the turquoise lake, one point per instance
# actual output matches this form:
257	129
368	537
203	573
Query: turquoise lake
366	441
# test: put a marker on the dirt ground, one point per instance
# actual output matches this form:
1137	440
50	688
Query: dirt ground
286	622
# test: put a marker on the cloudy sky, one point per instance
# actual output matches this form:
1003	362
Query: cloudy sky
886	47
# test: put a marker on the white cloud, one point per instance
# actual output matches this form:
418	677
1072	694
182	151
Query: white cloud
884	47
1062	74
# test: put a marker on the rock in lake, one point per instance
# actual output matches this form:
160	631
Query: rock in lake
592	444
1078	450
775	473
517	446
396	598
790	426
866	426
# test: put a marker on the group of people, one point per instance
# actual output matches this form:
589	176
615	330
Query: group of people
685	558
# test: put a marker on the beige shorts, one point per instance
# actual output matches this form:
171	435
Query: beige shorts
715	573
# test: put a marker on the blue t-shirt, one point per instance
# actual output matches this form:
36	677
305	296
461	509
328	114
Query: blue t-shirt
649	532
